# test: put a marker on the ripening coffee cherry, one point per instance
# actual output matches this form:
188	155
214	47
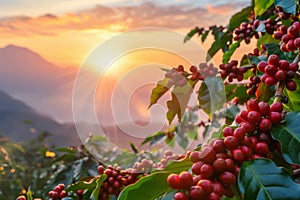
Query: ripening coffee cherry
284	65
276	107
219	165
218	188
219	146
270	80
174	181
181	196
291	85
254	117
261	66
207	185
196	167
214	196
261	148
194	156
240	132
231	142
265	125
252	105
22	197
196	192
238	155
273	60
186	180
207	154
206	171
264	108
228	131
275	118
227	178
280	75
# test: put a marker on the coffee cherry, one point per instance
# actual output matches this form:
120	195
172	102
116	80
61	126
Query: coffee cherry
214	196
219	165
254	117
22	197
196	192
174	181
231	142
196	167
206	171
194	157
218	188
265	125
276	107
238	155
227	178
207	186
186	180
207	154
273	60
240	132
181	196
261	148
291	85
275	118
253	105
264	108
218	146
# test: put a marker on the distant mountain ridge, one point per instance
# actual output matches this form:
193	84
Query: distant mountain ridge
20	123
27	76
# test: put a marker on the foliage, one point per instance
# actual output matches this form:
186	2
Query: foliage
263	136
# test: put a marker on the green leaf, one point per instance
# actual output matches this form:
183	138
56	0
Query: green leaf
274	48
288	6
264	92
288	135
239	17
204	35
260	6
99	182
147	188
161	88
154	138
219	44
294	96
240	91
178	166
191	34
227	55
211	95
265	39
262	179
179	101
231	111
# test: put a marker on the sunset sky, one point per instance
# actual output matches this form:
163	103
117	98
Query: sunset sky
65	31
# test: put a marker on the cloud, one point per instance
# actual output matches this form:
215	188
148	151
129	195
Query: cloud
118	19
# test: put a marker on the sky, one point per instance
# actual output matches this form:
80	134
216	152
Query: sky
66	31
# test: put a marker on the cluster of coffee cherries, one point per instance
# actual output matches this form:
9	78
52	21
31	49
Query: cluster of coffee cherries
169	156
278	70
260	116
270	26
177	76
283	15
289	37
116	180
232	71
204	71
216	166
253	85
247	30
58	192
